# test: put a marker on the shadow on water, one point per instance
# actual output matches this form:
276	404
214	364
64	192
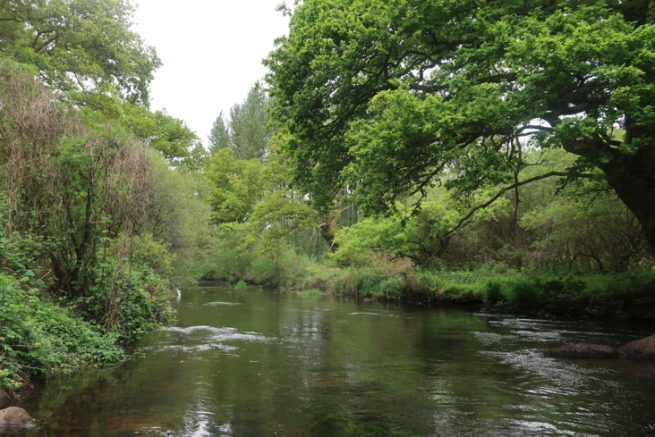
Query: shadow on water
258	363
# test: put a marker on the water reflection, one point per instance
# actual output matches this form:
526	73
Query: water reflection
253	363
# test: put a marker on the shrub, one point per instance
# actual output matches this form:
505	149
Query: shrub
393	288
492	292
38	336
525	293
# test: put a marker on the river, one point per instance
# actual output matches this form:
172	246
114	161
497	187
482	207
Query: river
258	363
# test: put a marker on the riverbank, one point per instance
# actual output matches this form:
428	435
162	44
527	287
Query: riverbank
42	336
614	296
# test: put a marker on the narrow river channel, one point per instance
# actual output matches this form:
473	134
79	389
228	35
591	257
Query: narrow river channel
258	363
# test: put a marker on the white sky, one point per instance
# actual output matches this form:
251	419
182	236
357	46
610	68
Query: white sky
211	51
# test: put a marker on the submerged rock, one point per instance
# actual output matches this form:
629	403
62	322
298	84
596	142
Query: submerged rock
16	418
583	350
644	348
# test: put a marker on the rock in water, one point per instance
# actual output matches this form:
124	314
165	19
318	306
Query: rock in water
644	348
14	417
583	351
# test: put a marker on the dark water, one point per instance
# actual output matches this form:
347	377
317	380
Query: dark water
258	363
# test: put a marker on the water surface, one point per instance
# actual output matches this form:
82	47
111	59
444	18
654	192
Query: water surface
258	363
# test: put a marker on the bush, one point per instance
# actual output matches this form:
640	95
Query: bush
38	336
525	293
492	292
393	288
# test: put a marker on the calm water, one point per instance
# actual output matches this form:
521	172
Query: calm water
258	363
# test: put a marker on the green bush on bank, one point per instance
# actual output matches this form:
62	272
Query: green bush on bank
43	335
491	285
37	335
44	331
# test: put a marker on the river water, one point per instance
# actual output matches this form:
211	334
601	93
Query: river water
258	363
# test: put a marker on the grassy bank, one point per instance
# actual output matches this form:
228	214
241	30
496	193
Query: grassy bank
613	295
493	285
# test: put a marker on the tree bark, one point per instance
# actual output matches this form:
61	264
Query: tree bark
630	173
329	232
633	180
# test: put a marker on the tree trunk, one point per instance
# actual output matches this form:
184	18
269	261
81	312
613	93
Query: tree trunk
329	232
632	176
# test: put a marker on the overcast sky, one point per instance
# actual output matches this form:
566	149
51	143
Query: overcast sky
211	50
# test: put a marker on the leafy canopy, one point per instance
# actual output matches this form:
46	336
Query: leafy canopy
169	135
247	130
85	47
396	96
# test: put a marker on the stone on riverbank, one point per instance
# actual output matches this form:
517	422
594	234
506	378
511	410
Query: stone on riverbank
583	351
644	348
14	417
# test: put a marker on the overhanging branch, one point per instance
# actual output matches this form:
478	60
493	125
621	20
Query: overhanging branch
511	187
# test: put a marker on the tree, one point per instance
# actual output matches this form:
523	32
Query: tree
235	185
177	215
394	97
247	130
72	187
164	133
219	136
81	46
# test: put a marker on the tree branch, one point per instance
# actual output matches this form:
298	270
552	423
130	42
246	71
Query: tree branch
511	187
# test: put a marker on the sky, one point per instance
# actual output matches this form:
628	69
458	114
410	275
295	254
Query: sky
212	52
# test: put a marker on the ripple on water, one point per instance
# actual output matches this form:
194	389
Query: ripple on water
210	333
186	349
489	338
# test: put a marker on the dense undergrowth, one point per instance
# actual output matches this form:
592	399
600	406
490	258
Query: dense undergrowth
92	233
492	285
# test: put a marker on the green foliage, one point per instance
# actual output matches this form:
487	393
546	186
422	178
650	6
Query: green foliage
74	192
126	289
178	217
219	136
247	131
397	97
421	235
492	292
235	185
240	284
168	135
82	46
312	292
70	186
392	288
39	336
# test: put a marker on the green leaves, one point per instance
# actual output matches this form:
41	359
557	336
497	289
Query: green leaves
164	133
83	46
391	98
247	131
36	334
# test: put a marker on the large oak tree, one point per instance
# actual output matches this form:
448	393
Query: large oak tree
392	97
84	47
